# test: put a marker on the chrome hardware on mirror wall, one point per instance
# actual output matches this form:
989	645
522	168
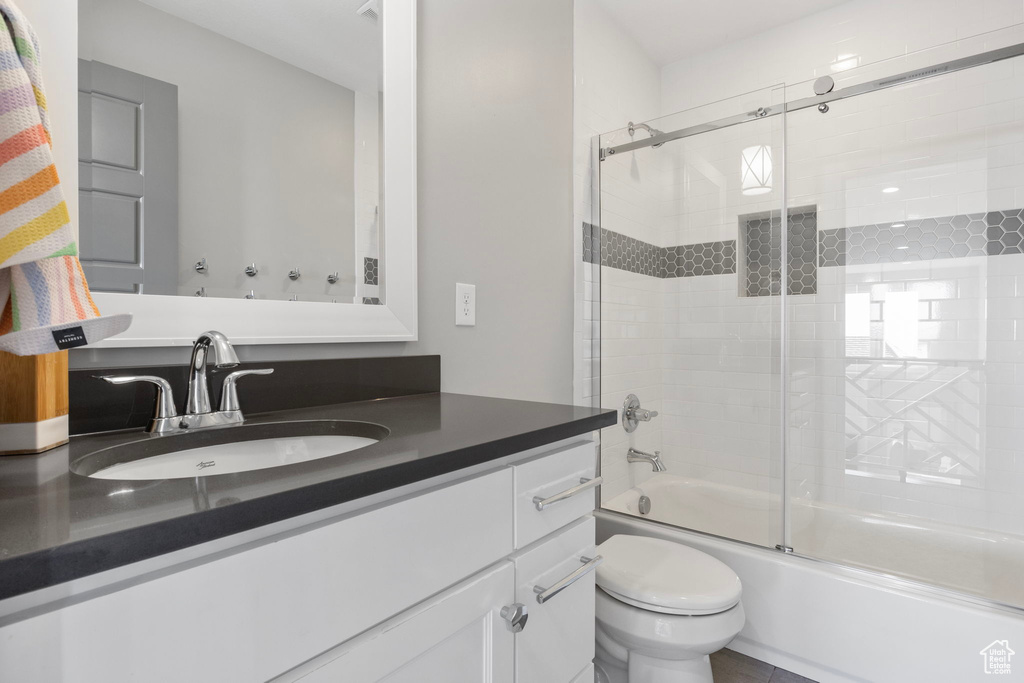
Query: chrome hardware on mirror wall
201	291
333	277
201	265
293	297
251	270
633	414
294	273
251	294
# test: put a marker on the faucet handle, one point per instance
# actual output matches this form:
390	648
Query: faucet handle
229	392
164	395
644	415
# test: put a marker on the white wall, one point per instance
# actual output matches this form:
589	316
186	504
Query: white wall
495	169
495	175
616	82
855	33
58	31
266	155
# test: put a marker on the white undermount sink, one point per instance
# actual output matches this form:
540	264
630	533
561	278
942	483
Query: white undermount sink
228	450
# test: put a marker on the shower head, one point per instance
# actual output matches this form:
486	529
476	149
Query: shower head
650	131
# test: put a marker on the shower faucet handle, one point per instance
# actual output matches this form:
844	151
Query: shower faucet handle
633	414
644	415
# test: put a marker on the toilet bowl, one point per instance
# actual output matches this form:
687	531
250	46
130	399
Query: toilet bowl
662	609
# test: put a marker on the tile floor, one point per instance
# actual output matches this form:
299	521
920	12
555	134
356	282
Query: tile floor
732	667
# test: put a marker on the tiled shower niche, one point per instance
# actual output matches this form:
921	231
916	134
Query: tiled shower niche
760	246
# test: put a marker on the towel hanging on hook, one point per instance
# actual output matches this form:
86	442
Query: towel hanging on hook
45	304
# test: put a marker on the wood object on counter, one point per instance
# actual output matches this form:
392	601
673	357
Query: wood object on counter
33	402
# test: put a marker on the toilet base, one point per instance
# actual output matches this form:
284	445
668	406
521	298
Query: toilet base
638	646
643	669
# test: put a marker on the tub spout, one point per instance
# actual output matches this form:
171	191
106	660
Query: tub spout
633	455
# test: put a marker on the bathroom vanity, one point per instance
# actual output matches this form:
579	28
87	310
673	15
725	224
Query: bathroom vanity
460	547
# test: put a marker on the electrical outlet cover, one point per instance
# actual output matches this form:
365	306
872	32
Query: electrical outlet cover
465	304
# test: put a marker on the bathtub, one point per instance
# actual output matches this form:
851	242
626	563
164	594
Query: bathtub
829	618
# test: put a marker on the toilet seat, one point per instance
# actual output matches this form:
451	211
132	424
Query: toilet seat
666	577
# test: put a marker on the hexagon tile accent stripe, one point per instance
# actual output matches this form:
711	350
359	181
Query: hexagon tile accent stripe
977	234
618	251
994	233
762	253
371	269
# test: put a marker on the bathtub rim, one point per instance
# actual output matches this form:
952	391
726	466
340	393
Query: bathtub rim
870	577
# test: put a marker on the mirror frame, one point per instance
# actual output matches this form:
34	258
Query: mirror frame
161	320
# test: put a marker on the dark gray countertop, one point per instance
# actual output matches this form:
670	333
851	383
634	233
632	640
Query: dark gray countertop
56	525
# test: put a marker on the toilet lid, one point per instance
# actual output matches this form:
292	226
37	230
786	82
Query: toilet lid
662	576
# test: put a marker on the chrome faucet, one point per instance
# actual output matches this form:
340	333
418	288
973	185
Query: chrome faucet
634	455
199	414
198	401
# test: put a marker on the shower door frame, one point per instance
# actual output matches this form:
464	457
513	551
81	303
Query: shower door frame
600	154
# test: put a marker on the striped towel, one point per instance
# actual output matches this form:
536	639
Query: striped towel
46	305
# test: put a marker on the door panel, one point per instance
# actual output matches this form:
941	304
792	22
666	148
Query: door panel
115	132
128	180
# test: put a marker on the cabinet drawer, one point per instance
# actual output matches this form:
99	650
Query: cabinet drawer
546	477
558	641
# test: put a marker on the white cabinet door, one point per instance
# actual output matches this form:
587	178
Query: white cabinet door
558	640
458	637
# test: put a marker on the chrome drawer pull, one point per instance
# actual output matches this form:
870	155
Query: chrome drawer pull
589	564
585	484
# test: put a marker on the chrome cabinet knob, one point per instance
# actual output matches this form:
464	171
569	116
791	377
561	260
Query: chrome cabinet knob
333	277
294	273
251	270
515	616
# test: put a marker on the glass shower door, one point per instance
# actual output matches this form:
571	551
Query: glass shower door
906	361
692	280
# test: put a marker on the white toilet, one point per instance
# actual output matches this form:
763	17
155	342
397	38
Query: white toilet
662	608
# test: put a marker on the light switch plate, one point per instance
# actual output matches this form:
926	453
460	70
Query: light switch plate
465	304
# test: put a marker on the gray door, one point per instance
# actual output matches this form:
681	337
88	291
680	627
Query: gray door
128	180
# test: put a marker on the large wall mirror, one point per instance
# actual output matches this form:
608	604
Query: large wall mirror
249	165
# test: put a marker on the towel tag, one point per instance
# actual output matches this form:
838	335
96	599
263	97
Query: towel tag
69	337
